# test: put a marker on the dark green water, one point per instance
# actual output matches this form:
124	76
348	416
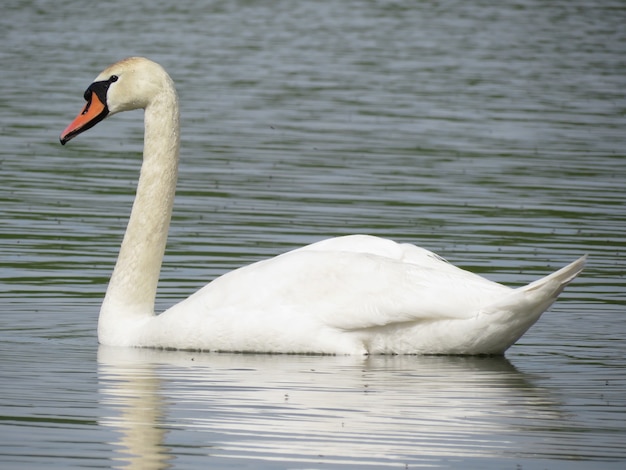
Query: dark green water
493	133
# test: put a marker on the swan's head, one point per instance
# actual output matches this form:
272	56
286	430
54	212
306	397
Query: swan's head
131	83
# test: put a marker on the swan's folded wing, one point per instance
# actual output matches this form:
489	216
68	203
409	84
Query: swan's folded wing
383	291
350	290
375	246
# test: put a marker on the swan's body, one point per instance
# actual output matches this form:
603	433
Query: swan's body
349	295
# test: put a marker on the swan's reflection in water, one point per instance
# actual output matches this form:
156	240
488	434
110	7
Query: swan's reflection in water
352	411
130	389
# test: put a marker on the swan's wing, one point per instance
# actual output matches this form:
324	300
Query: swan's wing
352	283
362	290
376	246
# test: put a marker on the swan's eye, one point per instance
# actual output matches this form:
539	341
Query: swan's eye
113	78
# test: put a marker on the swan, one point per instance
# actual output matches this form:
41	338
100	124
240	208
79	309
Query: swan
355	294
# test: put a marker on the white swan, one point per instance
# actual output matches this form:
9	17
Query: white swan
349	295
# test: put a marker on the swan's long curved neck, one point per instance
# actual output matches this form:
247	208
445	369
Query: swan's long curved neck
132	289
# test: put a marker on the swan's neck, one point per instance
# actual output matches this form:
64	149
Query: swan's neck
132	288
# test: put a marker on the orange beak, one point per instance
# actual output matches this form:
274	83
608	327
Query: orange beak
93	112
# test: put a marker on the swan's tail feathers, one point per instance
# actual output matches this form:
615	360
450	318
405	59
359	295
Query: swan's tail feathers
538	295
553	284
511	316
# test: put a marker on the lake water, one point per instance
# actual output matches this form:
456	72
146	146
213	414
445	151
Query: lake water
493	133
